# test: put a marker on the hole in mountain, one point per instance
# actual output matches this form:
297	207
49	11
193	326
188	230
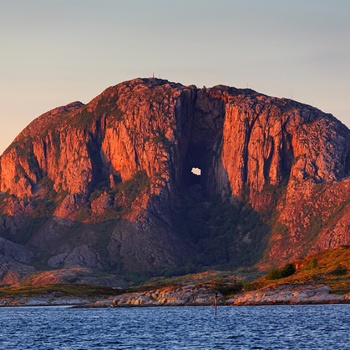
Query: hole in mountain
194	166
195	178
196	171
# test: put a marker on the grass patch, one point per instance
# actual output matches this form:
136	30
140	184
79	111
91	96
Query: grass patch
57	289
329	267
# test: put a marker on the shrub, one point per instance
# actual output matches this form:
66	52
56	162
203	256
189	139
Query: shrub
274	274
228	289
247	287
286	271
339	271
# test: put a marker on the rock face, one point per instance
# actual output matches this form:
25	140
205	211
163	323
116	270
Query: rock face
290	294
108	185
167	296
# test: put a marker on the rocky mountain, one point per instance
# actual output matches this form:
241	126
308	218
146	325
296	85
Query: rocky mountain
91	192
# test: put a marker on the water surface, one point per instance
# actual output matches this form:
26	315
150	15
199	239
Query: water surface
256	327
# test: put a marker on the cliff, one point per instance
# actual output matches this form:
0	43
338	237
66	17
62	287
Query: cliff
107	187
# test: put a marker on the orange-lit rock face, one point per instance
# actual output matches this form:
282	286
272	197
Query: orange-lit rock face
127	154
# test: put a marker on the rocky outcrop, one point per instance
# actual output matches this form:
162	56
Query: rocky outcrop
168	296
189	295
103	186
289	294
15	262
192	295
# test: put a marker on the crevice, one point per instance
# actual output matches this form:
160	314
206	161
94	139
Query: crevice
99	172
204	129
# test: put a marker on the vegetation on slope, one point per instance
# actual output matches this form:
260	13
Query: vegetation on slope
57	290
330	267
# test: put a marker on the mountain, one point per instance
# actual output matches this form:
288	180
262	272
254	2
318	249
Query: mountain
89	193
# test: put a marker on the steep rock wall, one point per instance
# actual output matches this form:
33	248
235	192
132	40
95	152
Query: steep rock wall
96	185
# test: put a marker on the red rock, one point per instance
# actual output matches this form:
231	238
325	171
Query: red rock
105	177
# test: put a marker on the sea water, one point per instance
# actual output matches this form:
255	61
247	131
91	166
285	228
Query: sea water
257	327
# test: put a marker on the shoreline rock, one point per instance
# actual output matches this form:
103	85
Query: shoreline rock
168	296
191	295
289	294
46	300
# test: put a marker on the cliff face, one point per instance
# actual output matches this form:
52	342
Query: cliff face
108	185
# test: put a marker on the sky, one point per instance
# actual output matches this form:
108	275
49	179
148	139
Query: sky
54	52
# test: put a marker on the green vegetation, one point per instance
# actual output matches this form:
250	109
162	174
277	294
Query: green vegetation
84	118
227	289
22	146
224	282
286	271
57	289
329	267
248	287
44	207
130	189
274	274
312	264
121	196
106	107
339	271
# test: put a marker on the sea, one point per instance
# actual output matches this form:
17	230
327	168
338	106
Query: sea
243	327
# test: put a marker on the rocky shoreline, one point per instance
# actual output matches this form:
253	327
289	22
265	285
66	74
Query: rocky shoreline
290	294
191	295
168	296
45	300
181	296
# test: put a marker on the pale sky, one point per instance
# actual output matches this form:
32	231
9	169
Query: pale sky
54	52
